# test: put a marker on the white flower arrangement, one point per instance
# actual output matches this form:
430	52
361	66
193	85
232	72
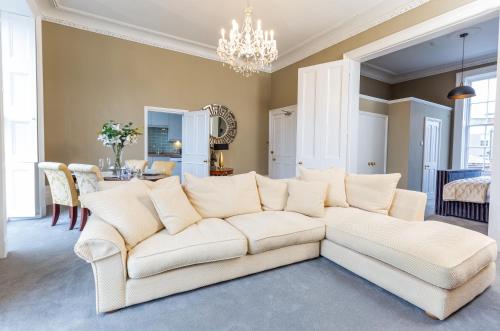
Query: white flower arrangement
117	136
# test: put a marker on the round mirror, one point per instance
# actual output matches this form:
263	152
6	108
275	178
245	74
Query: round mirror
218	127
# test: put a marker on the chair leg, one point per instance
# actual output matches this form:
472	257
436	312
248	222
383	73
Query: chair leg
56	210
73	215
85	215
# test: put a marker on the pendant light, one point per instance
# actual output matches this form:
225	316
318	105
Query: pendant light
462	91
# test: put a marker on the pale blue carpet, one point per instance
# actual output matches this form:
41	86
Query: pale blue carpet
44	286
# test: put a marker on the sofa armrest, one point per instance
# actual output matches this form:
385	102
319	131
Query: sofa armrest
408	205
101	245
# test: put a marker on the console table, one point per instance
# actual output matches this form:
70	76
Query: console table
221	172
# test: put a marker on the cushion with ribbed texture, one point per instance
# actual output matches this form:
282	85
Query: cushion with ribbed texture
335	177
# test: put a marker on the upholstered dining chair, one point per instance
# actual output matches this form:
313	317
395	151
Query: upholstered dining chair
136	164
163	167
63	190
87	178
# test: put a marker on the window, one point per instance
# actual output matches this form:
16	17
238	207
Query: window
479	118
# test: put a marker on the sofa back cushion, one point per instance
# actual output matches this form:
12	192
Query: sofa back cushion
372	192
335	178
223	196
273	192
307	198
128	208
175	211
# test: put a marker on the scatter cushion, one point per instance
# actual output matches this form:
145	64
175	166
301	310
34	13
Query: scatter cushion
223	196
307	198
273	192
128	208
175	211
206	241
372	192
269	230
441	254
172	180
335	177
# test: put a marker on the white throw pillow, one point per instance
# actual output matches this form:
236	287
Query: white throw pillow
223	196
307	198
273	192
335	177
372	192
128	208
175	211
172	180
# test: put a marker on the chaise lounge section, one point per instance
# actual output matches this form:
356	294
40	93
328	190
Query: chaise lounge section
435	266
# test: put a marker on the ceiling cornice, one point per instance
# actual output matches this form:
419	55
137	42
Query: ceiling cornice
53	11
381	74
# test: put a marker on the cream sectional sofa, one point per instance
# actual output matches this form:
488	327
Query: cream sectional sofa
435	266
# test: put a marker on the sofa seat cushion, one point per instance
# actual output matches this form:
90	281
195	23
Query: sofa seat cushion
269	230
208	240
444	255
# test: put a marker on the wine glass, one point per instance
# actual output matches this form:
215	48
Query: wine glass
101	164
109	162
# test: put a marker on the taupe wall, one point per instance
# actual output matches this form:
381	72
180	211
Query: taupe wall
375	88
398	140
91	78
373	106
284	81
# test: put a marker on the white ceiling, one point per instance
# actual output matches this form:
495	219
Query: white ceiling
302	27
440	54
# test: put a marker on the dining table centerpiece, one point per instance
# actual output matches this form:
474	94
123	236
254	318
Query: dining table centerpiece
117	137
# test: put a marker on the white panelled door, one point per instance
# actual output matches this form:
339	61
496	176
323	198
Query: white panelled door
372	143
322	115
432	145
282	136
20	113
195	143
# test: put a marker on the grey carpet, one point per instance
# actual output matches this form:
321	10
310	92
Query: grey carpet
44	286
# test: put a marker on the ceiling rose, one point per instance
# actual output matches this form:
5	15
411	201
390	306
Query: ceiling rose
249	50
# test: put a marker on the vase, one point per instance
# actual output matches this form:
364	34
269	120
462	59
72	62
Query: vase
118	153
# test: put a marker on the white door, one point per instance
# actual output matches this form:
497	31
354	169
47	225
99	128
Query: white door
432	144
372	143
322	116
195	143
20	113
282	142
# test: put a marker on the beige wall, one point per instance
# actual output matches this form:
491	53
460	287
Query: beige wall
91	78
373	106
398	140
284	81
375	88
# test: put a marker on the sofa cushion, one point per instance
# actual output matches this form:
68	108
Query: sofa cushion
307	198
206	241
269	230
335	177
372	192
444	255
273	192
223	196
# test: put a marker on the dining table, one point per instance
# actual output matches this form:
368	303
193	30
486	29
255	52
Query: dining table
109	176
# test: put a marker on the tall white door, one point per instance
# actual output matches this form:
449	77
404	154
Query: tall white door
282	145
195	143
372	143
20	113
322	114
432	144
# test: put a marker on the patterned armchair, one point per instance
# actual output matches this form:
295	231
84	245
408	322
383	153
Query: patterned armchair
136	164
63	190
164	167
87	177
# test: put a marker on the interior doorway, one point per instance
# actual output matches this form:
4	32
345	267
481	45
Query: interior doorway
282	134
432	146
372	153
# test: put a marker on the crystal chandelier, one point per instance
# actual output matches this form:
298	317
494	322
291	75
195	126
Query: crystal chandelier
247	51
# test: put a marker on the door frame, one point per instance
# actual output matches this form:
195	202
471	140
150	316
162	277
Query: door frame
148	109
456	19
426	120
290	109
386	118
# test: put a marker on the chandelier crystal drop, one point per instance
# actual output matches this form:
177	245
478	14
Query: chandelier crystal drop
249	50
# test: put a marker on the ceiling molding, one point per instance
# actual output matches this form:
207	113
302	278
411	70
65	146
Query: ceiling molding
54	11
381	74
342	31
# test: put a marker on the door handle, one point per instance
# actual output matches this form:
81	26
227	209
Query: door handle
272	152
300	162
205	161
274	159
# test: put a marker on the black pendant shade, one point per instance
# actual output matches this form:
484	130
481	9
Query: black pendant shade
462	91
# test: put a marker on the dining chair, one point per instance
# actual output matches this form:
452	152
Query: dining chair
163	167
136	164
63	190
87	178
